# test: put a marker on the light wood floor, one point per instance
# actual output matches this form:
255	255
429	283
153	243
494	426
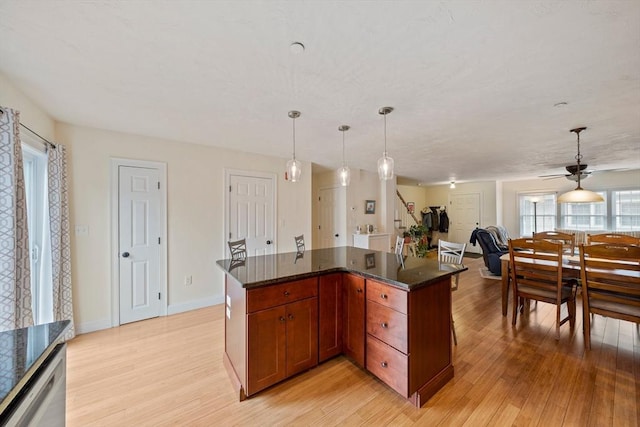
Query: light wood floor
168	371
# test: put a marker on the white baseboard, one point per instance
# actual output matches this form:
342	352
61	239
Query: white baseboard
195	304
95	325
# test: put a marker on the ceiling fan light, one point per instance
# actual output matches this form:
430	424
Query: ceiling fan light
580	195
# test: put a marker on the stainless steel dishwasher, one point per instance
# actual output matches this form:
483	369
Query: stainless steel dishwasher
42	402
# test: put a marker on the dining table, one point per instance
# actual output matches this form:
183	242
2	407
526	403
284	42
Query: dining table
570	270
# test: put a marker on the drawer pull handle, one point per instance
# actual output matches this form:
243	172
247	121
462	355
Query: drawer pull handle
282	319
359	290
383	296
384	325
384	364
286	293
291	317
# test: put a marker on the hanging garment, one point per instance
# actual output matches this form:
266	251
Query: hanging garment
427	221
435	220
444	222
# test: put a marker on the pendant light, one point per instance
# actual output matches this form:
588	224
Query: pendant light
344	173
579	195
385	163
294	169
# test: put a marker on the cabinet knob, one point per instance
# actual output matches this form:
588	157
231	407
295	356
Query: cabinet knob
291	317
384	325
282	319
286	293
383	296
359	290
384	364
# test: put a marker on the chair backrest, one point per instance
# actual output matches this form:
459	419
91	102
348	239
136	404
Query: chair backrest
537	265
300	243
611	280
238	249
399	245
612	238
450	253
568	240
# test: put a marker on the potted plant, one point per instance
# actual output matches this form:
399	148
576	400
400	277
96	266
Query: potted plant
418	233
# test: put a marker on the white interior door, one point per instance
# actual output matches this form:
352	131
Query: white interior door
332	218
464	217
251	212
139	234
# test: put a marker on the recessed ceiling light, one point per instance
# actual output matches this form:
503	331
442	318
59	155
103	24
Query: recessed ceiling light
560	104
296	48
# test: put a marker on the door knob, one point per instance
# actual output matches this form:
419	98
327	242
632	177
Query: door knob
125	254
268	242
336	235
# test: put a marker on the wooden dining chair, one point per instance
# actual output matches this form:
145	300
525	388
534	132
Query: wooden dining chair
238	249
398	249
613	238
610	283
568	240
300	243
451	253
536	274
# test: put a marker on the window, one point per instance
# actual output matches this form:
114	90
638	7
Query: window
537	212
620	211
585	216
34	165
625	210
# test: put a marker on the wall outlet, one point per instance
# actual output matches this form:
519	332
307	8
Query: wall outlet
188	280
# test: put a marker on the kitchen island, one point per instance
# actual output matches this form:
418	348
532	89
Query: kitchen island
288	312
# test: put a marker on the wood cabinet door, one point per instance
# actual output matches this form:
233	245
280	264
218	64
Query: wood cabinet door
267	333
302	335
330	316
353	292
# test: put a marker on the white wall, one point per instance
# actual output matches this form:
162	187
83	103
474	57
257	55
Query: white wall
195	181
30	113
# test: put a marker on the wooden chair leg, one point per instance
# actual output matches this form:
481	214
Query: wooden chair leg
571	306
516	303
453	331
586	327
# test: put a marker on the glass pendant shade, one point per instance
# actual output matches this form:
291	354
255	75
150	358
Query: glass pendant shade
344	173
579	195
385	163
385	167
294	170
294	167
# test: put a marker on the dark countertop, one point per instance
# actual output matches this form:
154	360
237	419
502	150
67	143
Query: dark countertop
410	274
22	351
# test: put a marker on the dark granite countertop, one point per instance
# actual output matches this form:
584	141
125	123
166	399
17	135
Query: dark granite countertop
22	351
408	274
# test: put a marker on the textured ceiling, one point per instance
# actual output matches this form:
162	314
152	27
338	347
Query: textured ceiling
473	83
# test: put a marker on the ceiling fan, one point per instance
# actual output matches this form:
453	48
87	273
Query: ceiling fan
573	173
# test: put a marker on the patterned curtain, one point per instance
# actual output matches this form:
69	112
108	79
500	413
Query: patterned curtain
15	275
60	236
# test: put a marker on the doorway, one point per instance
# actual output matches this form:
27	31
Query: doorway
332	217
464	217
250	211
139	287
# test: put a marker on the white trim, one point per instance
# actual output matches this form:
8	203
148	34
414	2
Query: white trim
225	215
95	325
195	304
115	163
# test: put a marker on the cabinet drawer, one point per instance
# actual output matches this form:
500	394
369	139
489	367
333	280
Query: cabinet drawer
274	295
387	325
387	295
388	364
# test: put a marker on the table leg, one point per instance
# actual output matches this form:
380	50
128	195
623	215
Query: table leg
505	285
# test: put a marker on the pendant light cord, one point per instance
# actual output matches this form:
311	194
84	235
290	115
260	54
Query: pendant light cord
385	134
294	138
343	161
